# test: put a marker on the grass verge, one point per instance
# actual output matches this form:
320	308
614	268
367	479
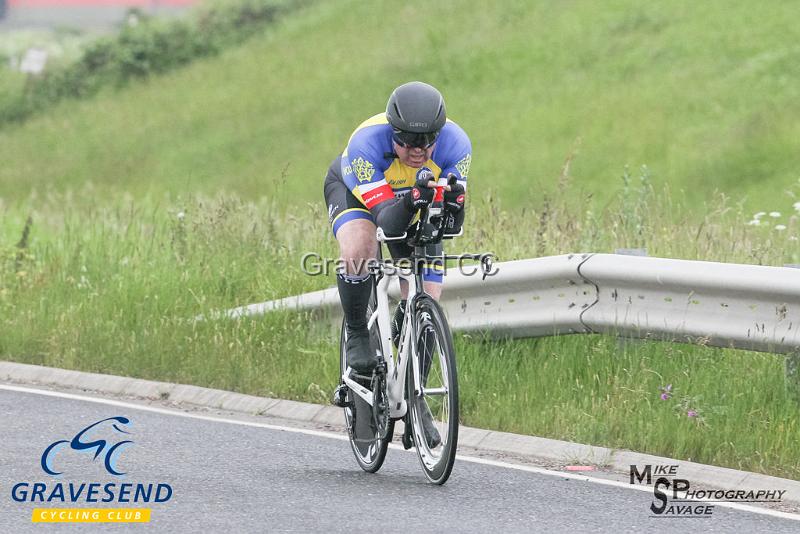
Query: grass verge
704	92
114	289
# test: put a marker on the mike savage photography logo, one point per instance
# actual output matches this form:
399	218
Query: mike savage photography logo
674	497
102	442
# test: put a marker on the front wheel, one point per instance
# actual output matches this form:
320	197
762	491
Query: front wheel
433	410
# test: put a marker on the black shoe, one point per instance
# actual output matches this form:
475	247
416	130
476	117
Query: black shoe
340	396
359	353
432	436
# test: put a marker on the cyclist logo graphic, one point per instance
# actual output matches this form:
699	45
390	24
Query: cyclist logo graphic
82	442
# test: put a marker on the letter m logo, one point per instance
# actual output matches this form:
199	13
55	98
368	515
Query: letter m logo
635	474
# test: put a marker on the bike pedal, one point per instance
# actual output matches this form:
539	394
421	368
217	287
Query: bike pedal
340	396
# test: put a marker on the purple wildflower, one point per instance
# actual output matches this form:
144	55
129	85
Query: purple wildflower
665	392
691	413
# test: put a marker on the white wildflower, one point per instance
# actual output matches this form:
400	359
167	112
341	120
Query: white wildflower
754	222
796	206
181	215
774	214
759	215
780	227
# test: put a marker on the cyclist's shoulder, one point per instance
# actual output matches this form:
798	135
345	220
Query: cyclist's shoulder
452	145
370	142
372	122
374	134
452	133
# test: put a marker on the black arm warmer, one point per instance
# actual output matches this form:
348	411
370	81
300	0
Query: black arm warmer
393	216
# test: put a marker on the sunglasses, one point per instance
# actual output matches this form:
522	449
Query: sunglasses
414	140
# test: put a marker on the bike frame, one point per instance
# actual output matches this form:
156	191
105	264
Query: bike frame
396	365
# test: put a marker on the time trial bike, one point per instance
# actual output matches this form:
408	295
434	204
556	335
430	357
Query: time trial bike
418	382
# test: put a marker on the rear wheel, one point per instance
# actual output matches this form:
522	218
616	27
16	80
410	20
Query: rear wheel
370	430
435	357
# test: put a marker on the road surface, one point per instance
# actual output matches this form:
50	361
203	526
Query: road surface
234	475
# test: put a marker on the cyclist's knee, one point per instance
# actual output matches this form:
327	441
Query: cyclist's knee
357	244
433	289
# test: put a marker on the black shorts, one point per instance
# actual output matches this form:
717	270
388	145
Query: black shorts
343	206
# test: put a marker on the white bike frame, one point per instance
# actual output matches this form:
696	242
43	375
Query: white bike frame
395	366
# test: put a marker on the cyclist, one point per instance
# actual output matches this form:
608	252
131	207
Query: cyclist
383	177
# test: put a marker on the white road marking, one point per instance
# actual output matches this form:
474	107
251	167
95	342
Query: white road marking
165	411
340	437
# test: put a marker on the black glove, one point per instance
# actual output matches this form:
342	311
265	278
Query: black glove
454	206
454	199
421	195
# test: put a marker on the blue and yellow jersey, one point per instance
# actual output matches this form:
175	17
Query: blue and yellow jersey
374	174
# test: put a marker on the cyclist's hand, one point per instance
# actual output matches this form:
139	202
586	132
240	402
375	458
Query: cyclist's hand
421	195
454	206
454	198
425	178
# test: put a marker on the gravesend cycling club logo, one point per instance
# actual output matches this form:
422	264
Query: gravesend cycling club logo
101	442
77	443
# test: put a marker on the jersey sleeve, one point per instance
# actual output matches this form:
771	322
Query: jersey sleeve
456	155
363	166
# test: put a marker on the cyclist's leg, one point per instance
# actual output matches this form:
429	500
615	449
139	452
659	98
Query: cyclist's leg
432	273
432	276
354	230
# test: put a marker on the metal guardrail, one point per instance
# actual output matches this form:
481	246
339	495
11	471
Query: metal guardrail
718	304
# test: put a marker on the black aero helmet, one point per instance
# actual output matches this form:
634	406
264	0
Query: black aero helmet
417	114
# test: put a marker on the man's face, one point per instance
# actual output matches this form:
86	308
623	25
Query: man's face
413	157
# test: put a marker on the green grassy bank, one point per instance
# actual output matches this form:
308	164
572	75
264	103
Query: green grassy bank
115	288
130	236
706	94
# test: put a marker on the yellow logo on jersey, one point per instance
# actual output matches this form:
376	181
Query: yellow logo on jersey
463	166
401	176
363	169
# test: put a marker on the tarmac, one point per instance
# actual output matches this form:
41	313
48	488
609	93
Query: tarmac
554	454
